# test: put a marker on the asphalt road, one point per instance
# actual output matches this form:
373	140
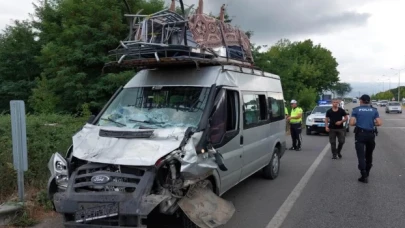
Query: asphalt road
312	190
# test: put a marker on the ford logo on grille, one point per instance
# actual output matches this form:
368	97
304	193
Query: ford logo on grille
100	179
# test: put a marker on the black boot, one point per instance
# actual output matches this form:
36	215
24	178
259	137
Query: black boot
363	177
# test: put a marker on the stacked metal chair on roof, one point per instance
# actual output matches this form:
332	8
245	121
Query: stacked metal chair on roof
168	38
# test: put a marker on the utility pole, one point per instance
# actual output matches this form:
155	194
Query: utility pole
399	82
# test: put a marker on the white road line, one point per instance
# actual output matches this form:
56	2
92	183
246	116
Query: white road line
283	211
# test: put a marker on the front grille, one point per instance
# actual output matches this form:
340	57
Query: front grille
320	120
121	178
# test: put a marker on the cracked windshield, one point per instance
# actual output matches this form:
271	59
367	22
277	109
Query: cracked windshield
202	113
148	107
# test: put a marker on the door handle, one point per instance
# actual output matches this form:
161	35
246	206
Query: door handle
241	140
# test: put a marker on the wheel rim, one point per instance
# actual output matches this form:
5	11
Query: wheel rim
275	164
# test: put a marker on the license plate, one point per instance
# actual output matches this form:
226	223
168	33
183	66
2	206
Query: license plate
321	125
99	212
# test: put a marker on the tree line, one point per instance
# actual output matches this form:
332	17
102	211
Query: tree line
54	59
389	94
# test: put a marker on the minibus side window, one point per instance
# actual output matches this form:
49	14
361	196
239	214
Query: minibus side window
277	109
255	110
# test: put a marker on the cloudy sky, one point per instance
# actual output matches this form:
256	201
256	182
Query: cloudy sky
367	37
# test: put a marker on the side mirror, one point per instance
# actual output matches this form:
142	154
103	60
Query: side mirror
91	119
218	118
308	113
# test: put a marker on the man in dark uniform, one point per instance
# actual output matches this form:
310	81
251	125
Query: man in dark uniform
365	118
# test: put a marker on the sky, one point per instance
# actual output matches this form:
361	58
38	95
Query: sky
365	36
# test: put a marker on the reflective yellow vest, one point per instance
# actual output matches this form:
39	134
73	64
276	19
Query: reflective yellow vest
294	113
286	110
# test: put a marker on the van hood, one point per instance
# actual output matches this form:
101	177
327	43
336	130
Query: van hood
90	146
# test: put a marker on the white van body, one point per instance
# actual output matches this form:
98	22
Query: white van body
175	114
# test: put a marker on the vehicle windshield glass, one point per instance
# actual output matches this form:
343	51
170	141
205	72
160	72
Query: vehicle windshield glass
164	107
394	104
321	109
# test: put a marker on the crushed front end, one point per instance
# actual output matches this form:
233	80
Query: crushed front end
95	194
108	195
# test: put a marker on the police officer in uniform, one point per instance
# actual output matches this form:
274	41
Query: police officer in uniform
365	118
295	119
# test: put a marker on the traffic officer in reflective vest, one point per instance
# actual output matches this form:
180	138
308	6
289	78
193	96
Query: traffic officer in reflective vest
365	117
295	119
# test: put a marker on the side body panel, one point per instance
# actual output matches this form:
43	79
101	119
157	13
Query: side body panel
256	142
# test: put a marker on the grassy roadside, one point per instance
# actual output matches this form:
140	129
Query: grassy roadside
46	134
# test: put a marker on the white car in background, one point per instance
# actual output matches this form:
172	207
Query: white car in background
315	120
393	106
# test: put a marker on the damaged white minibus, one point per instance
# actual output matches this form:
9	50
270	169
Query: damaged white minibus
182	132
166	134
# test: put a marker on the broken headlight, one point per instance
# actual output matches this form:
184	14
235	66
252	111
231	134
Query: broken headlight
59	169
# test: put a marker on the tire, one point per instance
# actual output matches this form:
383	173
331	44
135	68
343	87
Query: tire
271	170
308	132
185	221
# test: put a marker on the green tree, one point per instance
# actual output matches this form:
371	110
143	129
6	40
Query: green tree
72	58
43	100
386	95
306	98
342	88
18	68
300	65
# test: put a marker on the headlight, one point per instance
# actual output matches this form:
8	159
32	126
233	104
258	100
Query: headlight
309	119
58	167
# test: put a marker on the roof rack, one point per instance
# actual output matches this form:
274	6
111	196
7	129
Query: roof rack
166	38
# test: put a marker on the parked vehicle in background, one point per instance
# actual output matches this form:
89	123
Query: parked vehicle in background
315	121
393	107
354	100
383	103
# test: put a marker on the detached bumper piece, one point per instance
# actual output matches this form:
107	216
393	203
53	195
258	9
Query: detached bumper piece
206	209
102	195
